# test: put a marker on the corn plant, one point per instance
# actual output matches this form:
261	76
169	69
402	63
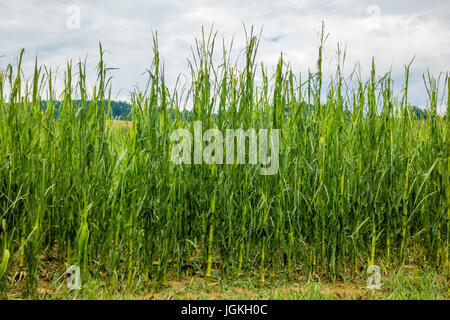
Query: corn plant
360	181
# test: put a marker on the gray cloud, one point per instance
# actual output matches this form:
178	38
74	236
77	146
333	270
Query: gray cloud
391	31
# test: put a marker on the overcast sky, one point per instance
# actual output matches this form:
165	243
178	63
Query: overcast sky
391	31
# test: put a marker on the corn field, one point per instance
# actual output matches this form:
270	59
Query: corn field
360	181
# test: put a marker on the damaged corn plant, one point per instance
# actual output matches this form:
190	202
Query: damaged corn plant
360	180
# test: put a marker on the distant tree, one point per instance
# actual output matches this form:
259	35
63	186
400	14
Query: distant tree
119	109
419	113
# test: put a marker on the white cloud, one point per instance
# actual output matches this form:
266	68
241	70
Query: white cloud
402	30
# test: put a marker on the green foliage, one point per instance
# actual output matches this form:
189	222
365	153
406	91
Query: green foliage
120	110
360	181
419	114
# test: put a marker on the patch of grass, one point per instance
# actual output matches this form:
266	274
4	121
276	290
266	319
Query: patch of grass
409	282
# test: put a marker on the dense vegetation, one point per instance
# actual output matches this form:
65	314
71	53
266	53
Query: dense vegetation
119	110
360	180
